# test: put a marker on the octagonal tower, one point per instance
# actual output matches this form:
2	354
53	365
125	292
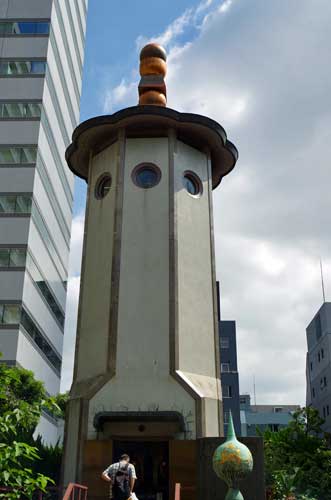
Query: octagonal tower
147	357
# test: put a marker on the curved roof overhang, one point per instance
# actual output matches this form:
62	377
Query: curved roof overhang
152	121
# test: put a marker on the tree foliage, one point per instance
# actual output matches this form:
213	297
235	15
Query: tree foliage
298	459
26	463
16	458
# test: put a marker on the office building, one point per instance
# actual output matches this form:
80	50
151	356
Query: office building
318	364
259	418
41	63
229	374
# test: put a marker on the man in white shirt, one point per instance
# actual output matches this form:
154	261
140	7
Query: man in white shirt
122	476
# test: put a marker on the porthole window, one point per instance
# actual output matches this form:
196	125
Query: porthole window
146	175
192	184
102	186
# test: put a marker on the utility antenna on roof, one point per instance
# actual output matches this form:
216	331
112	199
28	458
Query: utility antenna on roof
322	281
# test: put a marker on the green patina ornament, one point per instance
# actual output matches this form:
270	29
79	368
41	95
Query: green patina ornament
232	462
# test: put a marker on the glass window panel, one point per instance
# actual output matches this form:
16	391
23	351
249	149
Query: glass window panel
22	67
23	204
11	314
32	329
7	204
5	28
4	257
42	28
9	155
24	28
17	257
13	110
4	68
32	110
38	67
1	313
29	155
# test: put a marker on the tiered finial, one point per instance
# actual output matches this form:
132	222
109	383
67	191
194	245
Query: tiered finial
153	69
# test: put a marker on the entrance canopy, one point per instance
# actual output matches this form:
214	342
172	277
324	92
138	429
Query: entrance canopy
161	423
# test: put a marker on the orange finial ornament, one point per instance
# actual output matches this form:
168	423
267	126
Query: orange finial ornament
153	69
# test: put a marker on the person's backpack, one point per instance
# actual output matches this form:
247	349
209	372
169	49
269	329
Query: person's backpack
122	480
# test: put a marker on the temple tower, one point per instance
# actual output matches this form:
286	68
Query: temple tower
147	356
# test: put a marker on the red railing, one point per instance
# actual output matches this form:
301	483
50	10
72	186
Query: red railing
179	488
75	492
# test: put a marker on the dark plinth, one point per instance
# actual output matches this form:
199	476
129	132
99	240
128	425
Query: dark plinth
210	487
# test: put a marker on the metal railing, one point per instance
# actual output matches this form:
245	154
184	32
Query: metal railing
75	492
179	488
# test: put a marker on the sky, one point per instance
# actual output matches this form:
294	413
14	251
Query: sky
261	69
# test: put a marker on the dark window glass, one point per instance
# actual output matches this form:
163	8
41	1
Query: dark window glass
4	257
13	68
147	178
227	391
12	257
24	28
313	392
192	184
15	204
103	186
146	175
224	342
45	290
10	314
318	326
20	110
18	155
43	344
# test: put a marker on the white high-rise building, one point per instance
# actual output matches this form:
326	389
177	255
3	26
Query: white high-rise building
41	64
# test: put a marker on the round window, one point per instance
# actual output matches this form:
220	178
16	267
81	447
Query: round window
102	186
192	184
146	175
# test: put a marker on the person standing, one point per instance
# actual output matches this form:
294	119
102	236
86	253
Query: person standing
122	476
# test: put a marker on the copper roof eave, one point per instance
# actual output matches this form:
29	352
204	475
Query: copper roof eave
152	121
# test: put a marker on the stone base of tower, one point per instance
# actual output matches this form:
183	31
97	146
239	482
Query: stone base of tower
161	463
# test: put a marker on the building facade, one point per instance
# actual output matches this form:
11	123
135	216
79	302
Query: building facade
148	261
318	364
41	63
229	374
259	418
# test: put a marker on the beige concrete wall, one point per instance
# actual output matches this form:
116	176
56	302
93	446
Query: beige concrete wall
95	300
196	334
143	381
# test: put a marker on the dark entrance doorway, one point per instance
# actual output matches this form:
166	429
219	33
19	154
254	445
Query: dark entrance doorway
151	460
